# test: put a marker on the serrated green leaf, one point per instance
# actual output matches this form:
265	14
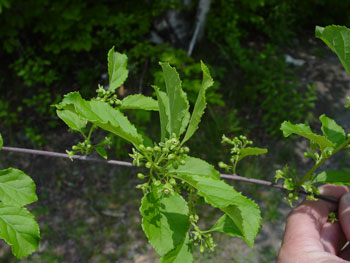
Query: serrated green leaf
337	39
251	151
178	104
19	229
16	188
333	177
306	132
72	120
163	105
227	226
200	105
165	220
101	151
181	254
196	166
1	142
139	102
243	211
117	70
332	130
102	115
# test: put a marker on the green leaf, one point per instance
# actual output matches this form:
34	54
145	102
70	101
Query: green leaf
181	254
196	166
165	220
178	104
116	69
200	105
16	188
102	115
243	211
333	177
19	229
305	131
337	39
139	102
101	151
1	142
332	130
251	151
72	120
227	226
163	105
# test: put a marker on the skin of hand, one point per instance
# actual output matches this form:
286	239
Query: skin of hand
309	236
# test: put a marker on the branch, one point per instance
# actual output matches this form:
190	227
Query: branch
128	164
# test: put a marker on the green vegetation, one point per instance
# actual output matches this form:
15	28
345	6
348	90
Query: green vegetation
174	181
17	225
55	47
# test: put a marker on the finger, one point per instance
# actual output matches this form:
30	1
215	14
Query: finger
332	237
344	214
305	224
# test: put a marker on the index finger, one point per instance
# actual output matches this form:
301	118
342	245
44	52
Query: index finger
307	228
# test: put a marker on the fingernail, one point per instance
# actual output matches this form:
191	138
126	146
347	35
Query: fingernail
346	198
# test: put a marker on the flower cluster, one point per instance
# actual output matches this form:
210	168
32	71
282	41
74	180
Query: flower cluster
238	144
107	96
157	160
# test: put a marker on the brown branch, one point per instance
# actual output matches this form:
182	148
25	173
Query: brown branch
128	164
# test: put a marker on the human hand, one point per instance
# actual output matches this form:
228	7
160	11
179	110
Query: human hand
310	238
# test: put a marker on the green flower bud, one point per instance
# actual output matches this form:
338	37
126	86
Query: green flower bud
223	165
171	156
165	150
149	149
157	149
166	191
148	165
175	164
172	181
157	183
140	175
182	162
186	149
142	147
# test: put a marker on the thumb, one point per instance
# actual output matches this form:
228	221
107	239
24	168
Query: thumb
344	214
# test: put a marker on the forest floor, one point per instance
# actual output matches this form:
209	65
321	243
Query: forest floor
88	212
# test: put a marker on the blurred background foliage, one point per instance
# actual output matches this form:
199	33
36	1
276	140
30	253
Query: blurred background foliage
49	48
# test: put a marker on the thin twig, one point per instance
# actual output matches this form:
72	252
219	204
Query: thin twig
278	186
64	155
128	164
